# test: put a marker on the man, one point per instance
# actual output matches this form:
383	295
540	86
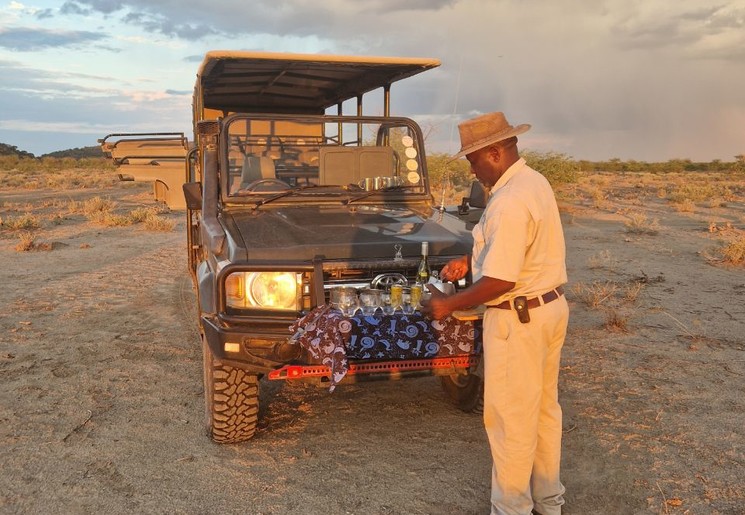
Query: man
518	255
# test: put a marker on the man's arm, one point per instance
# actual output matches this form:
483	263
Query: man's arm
485	289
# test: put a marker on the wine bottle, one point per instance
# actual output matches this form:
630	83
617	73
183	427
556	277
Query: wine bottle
423	272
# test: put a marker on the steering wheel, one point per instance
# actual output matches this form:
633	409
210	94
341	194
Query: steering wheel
265	182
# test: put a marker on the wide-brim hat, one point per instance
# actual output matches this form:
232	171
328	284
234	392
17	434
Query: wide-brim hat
486	130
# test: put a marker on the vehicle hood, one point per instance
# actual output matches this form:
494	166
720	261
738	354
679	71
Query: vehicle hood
302	233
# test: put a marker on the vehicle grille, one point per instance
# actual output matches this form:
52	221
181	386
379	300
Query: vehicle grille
362	274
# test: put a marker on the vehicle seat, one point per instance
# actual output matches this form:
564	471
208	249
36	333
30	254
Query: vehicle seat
255	168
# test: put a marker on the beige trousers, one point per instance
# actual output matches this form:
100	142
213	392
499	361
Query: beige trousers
522	415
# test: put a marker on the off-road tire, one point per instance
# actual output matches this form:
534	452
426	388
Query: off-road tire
466	391
231	400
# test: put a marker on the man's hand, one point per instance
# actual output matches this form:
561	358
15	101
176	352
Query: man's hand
437	306
455	269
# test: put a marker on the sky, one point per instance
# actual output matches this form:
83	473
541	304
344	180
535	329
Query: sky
645	80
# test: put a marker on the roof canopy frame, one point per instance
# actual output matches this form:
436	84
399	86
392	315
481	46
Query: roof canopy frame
263	82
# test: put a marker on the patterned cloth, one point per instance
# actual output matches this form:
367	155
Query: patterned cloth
328	338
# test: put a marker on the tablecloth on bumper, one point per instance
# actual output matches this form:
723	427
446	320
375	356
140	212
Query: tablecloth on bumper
328	338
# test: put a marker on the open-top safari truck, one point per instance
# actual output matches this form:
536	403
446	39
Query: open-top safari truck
158	157
289	203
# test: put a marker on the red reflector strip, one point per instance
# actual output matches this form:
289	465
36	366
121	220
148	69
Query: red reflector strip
299	371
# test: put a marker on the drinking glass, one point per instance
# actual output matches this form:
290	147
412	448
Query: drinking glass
370	300
416	295
397	292
388	308
407	306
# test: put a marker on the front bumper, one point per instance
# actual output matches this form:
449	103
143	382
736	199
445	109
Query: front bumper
259	352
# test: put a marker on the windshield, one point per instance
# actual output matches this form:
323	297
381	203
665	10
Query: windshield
321	156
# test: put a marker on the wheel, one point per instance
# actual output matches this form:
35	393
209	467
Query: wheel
231	400
466	391
266	182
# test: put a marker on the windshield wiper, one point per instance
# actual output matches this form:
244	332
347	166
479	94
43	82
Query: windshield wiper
282	194
373	192
292	191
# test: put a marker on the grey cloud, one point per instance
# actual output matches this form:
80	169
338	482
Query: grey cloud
27	39
102	6
178	92
410	5
73	8
44	14
685	30
332	19
727	19
15	77
166	26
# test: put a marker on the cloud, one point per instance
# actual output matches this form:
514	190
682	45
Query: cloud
332	19
30	39
44	14
102	6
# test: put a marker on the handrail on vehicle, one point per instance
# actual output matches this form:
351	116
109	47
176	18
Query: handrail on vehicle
180	134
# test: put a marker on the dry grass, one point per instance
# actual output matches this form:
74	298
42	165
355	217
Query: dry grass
52	173
611	297
101	211
639	223
615	322
596	294
158	223
26	221
685	206
733	251
28	243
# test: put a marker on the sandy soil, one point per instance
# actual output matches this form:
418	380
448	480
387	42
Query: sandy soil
101	403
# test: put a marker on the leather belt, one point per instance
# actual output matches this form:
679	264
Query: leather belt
533	303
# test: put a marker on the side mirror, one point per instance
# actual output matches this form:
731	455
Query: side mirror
476	198
193	195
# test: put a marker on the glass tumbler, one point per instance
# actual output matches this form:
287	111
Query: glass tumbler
370	301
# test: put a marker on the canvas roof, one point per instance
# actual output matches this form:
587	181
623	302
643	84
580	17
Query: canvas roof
296	83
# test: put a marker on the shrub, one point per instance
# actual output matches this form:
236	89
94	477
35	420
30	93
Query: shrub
557	168
639	223
734	251
25	222
28	243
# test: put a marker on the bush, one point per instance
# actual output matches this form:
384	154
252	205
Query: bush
557	168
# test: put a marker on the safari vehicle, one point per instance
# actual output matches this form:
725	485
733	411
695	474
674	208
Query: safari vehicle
157	157
289	200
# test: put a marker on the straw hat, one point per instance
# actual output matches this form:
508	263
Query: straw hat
484	130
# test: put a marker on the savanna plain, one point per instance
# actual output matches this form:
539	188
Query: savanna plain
101	397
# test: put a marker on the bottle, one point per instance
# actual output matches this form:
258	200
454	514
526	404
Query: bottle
423	272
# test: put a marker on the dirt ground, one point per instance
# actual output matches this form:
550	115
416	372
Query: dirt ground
101	404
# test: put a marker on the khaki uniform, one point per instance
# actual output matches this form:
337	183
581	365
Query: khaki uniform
519	239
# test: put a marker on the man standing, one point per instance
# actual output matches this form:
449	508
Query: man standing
518	267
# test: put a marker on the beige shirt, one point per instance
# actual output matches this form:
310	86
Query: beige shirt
519	237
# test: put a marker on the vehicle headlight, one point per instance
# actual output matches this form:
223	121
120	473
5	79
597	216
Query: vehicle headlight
264	290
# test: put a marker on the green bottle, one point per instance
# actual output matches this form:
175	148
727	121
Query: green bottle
423	272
